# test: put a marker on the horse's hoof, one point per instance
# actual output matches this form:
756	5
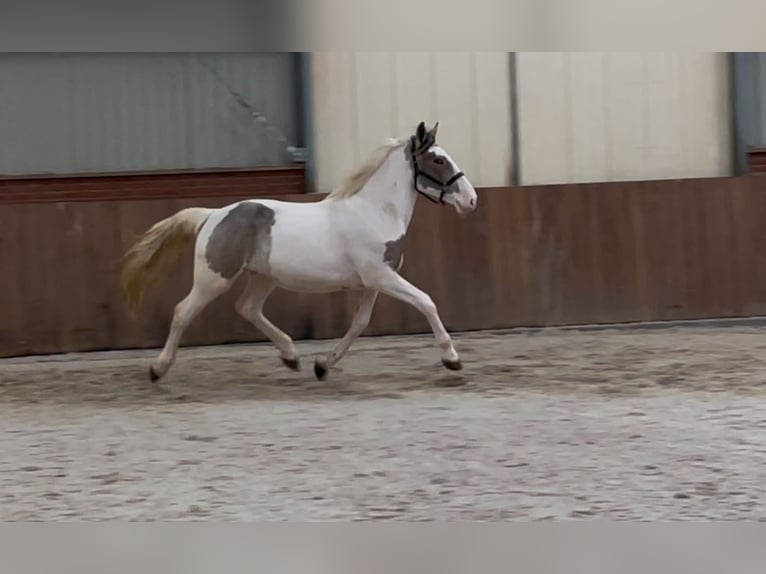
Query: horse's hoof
320	370
153	376
292	364
453	365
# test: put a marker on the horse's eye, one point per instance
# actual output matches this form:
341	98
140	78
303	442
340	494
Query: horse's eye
439	161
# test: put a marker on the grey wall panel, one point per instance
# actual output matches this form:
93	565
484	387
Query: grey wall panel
70	113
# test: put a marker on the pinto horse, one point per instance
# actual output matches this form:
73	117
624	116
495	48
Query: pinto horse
351	240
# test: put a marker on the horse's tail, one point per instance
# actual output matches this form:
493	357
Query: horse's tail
158	247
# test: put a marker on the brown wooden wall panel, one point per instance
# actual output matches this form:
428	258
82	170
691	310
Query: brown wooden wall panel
530	256
261	181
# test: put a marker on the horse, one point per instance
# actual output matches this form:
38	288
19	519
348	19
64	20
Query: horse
351	240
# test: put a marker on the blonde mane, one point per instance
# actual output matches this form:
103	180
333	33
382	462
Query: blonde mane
356	181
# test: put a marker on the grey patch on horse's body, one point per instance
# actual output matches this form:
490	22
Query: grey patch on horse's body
393	256
242	238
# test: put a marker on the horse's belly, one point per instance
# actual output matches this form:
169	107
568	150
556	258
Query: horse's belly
315	281
300	285
313	275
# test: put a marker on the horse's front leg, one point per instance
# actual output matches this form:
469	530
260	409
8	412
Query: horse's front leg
388	281
358	325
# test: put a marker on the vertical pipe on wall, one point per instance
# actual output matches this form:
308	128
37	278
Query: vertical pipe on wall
739	99
305	89
749	93
514	115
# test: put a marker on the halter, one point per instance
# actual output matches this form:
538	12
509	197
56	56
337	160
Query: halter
442	185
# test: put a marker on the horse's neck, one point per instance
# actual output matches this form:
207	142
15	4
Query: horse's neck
391	189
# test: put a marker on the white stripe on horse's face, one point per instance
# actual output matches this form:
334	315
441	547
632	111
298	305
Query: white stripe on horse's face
463	196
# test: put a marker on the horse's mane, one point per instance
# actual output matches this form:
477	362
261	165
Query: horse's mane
361	176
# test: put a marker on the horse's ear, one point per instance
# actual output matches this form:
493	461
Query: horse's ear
433	130
421	132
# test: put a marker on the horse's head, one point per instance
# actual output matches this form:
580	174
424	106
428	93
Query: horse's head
435	173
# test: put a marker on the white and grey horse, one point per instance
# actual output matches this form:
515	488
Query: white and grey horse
351	240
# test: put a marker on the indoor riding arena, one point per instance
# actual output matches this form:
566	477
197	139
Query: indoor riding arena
638	421
607	298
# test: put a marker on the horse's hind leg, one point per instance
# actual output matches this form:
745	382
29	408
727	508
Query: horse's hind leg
250	306
358	325
207	286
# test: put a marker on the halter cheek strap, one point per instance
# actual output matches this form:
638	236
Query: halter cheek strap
443	186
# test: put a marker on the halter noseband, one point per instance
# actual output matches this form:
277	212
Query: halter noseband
442	185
